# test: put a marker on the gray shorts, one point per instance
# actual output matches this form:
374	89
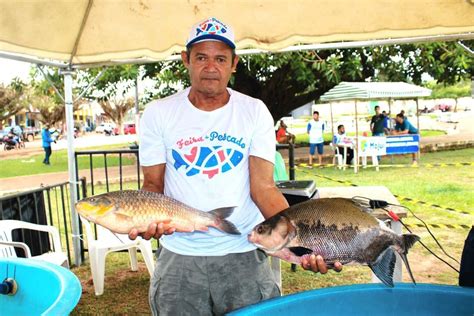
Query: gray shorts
192	285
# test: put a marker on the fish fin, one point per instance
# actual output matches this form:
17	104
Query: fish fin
224	225
300	251
122	215
384	266
408	241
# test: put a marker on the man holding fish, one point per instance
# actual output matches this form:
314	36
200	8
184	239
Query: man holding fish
203	270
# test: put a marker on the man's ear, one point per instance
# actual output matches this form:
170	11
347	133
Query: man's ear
185	58
234	63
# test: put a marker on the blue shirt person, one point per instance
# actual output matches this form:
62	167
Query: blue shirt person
47	140
403	127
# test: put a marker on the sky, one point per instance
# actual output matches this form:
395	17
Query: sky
10	69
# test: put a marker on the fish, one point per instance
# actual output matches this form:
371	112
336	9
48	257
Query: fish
340	230
121	211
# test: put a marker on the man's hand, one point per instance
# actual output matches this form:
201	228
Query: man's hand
317	264
155	230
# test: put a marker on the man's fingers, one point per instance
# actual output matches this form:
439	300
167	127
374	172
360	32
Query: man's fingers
321	265
133	234
338	267
150	232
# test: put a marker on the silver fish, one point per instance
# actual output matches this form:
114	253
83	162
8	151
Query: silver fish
338	229
120	211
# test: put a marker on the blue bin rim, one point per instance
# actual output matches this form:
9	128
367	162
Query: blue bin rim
70	286
289	299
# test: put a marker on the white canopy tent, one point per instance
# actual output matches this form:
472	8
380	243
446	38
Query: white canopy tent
85	33
372	91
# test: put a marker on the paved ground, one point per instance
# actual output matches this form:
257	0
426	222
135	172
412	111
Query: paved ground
464	137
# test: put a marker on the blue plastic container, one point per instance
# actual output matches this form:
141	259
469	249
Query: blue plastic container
43	288
371	299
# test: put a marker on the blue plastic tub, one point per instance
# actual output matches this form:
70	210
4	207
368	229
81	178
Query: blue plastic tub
43	288
371	299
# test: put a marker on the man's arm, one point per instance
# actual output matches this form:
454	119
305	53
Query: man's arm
271	201
153	181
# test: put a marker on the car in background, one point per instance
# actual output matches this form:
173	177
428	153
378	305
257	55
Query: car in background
105	127
129	128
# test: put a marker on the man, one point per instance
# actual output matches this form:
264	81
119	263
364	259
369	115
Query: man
47	140
377	123
339	138
315	130
403	127
211	147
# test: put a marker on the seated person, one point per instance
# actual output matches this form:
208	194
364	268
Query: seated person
283	136
403	127
338	138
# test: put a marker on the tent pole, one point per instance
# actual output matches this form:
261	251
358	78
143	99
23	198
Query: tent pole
418	126
356	149
137	109
72	164
332	121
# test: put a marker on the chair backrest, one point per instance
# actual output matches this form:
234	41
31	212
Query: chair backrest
6	228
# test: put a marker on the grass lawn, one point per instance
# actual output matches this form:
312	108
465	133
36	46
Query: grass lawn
126	291
33	164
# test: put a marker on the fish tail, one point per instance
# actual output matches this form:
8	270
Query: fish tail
384	265
220	221
408	240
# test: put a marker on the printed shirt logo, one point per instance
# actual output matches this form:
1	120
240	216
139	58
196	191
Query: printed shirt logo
208	161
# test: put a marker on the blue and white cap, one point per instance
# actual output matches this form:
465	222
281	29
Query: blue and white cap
211	29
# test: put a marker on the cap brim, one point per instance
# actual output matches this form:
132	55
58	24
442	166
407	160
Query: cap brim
211	37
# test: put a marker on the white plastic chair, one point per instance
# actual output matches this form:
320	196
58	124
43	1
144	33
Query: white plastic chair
337	155
57	256
108	242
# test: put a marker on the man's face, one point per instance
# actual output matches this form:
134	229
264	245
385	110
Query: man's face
316	116
399	120
210	66
342	130
377	110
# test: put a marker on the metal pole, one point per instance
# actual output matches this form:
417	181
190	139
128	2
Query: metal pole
356	149
418	127
72	164
332	122
137	110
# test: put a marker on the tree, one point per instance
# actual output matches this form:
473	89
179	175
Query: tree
12	99
287	81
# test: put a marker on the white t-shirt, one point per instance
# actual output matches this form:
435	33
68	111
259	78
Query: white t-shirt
206	156
315	129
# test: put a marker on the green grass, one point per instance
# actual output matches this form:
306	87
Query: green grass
31	165
126	291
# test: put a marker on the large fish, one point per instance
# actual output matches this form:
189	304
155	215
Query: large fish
338	229
121	211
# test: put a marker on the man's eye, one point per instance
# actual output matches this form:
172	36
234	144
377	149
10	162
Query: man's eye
221	60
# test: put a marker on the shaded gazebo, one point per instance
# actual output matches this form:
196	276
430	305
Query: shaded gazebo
358	91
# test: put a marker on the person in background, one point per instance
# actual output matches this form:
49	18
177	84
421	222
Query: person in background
404	127
315	130
283	136
338	139
386	123
377	123
47	140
